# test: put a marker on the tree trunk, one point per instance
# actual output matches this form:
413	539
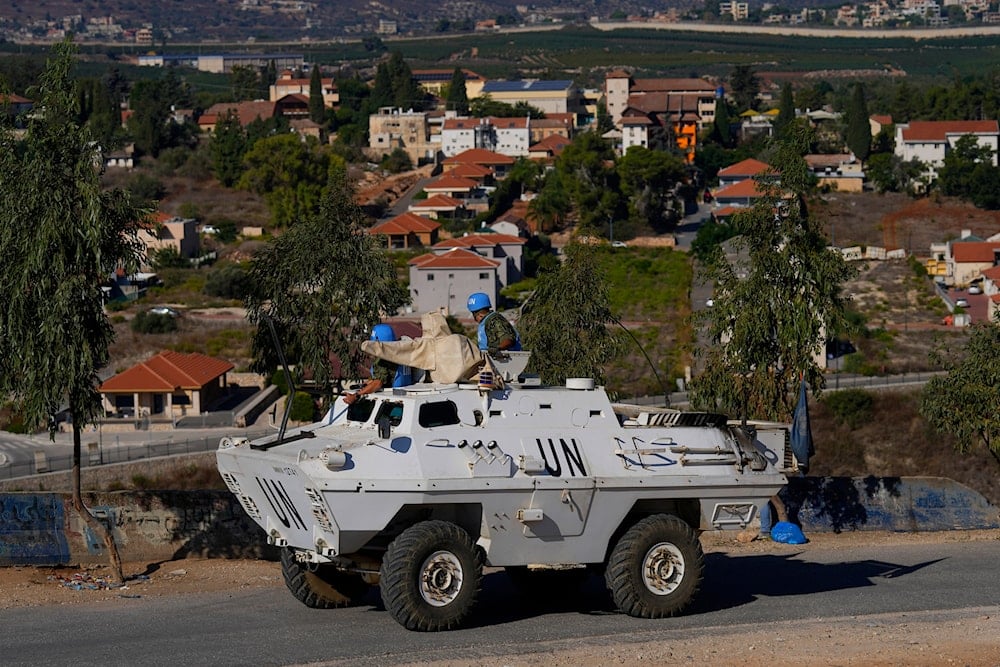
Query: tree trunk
92	522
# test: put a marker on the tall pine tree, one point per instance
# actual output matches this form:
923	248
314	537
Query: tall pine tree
858	135
317	108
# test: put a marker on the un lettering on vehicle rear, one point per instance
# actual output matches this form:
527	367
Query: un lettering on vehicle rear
279	500
561	453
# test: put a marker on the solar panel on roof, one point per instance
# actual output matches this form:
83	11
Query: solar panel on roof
512	86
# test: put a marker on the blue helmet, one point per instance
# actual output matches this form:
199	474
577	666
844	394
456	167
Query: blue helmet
383	333
479	301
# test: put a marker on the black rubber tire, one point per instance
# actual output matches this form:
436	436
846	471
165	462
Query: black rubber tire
668	550
408	572
323	586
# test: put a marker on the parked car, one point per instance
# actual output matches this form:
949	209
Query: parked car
619	244
975	289
962	303
164	310
209	229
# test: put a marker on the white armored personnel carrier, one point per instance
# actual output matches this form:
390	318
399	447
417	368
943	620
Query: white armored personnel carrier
416	489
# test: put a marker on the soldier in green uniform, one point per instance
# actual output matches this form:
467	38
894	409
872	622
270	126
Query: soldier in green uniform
495	333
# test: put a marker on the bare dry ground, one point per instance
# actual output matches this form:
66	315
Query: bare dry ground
964	637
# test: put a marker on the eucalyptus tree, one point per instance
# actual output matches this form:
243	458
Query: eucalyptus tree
323	284
569	318
61	238
966	401
778	293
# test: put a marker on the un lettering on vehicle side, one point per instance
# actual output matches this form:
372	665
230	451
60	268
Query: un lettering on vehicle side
568	452
281	503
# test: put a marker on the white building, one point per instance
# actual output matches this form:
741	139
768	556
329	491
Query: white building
929	141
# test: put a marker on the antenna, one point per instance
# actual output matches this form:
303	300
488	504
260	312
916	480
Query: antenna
288	377
666	392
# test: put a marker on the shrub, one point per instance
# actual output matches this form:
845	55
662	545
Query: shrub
146	188
152	323
852	407
228	281
302	407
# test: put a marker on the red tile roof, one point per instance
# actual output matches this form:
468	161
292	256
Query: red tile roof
437	201
473	171
473	240
748	167
882	119
247	112
405	223
479	156
938	130
745	188
456	258
167	371
992	274
451	183
974	251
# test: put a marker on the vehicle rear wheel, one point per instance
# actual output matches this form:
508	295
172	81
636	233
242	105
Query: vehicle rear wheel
430	576
656	568
321	586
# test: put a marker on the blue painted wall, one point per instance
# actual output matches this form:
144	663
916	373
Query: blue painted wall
33	529
823	504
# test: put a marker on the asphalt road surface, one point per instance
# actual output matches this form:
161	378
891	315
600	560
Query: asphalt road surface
762	589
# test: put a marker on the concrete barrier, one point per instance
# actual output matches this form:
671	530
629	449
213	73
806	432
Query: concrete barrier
43	528
902	504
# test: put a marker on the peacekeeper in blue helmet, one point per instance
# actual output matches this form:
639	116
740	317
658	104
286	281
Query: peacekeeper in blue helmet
384	373
495	333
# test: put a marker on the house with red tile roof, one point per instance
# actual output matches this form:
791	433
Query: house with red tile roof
743	193
288	84
407	230
741	171
443	280
438	207
246	112
879	122
929	141
452	186
505	248
554	124
474	172
168	385
497	163
966	260
549	148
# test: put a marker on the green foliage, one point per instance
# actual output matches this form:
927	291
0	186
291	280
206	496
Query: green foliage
323	283
966	401
317	107
150	101
968	172
303	408
858	135
744	86
588	177
852	407
397	161
245	82
395	86
567	320
649	179
774	300
786	110
458	97
290	174
145	188
227	280
56	333
228	145
153	323
710	236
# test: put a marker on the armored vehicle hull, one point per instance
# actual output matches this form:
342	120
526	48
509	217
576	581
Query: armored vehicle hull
417	489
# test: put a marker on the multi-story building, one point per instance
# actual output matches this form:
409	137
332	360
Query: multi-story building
929	141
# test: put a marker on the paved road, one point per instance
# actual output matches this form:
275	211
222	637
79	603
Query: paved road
756	590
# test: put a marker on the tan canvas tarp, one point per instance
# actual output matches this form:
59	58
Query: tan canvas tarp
446	356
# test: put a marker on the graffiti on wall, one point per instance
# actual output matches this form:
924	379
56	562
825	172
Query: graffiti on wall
32	529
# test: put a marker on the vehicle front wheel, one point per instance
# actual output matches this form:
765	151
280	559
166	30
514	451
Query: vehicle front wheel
321	586
430	576
656	568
